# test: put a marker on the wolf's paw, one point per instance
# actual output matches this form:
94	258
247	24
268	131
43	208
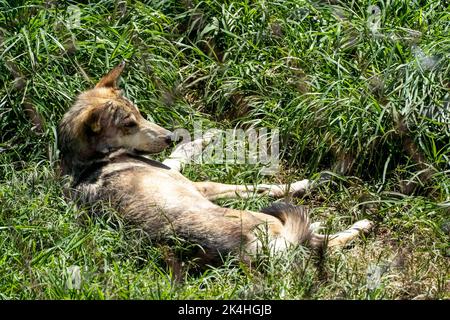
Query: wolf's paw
363	225
192	150
299	187
209	135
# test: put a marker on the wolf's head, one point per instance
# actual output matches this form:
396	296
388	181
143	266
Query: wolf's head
102	120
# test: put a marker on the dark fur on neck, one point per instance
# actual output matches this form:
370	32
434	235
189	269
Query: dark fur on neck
82	170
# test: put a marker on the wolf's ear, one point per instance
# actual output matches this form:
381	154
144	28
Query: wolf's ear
95	120
110	80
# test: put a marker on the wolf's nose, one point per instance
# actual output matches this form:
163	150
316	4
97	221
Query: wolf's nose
172	138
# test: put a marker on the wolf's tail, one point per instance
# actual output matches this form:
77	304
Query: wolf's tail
296	226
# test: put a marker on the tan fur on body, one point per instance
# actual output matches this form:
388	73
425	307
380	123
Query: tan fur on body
101	139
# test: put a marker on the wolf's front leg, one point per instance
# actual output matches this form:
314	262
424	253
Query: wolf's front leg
188	152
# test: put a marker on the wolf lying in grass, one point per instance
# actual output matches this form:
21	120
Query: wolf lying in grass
102	139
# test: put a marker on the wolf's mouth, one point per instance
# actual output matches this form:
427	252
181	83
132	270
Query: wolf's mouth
138	152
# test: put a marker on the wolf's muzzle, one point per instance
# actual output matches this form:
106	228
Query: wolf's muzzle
172	137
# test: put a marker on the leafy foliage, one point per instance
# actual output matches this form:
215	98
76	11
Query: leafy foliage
357	88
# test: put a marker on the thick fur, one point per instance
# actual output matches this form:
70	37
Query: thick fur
102	139
296	225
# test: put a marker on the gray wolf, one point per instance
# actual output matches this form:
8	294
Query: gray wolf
103	139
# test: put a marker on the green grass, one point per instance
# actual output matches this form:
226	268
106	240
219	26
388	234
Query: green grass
371	107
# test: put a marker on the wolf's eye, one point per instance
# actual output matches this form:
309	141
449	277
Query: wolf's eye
130	124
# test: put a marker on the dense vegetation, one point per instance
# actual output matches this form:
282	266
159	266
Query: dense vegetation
357	88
